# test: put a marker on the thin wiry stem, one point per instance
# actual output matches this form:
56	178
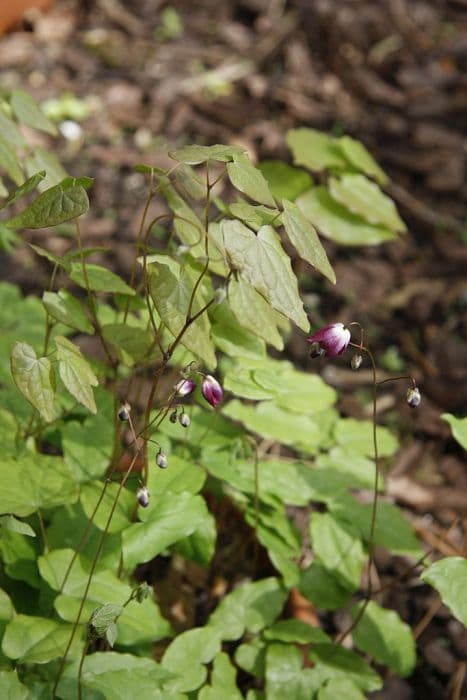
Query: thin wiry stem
374	505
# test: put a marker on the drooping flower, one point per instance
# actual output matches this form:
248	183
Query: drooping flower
161	460
142	496
124	411
413	397
184	419
212	390
356	362
332	339
185	387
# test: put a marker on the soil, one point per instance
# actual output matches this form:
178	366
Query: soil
390	73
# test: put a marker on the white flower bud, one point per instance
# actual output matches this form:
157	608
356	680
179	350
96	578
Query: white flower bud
356	362
413	397
184	419
124	411
161	460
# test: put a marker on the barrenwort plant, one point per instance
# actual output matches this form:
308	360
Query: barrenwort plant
117	465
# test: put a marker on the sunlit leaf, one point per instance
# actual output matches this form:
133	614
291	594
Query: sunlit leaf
338	547
285	181
187	655
249	306
9	161
194	155
364	198
172	296
382	634
30	184
75	372
458	427
264	264
29	113
222	681
60	203
64	307
361	158
448	576
35	640
314	149
305	240
245	177
45	482
35	378
338	223
100	279
9	522
251	607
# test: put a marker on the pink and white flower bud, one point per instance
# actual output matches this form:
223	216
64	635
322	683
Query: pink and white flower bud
142	496
356	362
332	339
185	387
212	390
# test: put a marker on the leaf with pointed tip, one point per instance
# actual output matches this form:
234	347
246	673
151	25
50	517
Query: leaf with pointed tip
35	378
305	240
285	181
195	155
357	154
9	522
177	517
171	295
64	307
249	306
385	637
75	372
448	576
245	177
35	640
255	216
458	427
315	150
9	162
28	112
187	655
45	481
42	159
222	681
54	206
364	198
100	279
338	223
338	546
265	265
10	131
117	676
30	184
132	343
250	607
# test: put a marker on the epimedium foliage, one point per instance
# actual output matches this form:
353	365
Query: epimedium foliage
83	501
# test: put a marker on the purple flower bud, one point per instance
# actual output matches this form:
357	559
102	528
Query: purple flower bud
356	361
413	397
332	339
124	411
185	387
161	460
184	419
212	390
142	496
